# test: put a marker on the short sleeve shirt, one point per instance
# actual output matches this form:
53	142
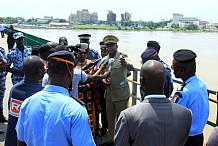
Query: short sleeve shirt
195	98
18	94
78	76
51	118
2	56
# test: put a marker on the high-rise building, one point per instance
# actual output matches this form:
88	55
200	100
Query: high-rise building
111	16
177	17
73	19
125	16
83	17
94	17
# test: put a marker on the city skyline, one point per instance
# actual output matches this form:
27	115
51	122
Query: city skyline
154	10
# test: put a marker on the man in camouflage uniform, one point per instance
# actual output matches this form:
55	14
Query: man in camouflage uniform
2	82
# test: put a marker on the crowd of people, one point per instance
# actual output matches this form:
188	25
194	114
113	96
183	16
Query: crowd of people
59	92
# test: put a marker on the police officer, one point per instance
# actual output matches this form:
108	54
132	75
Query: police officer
193	94
117	91
92	54
3	63
169	85
16	56
102	87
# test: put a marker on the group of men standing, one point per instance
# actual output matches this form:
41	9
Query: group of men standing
64	121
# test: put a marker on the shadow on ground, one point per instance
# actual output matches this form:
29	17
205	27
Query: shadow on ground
3	126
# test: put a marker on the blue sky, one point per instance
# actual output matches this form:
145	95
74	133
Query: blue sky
147	10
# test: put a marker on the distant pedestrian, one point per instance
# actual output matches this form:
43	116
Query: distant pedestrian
2	29
21	91
193	95
92	54
16	56
10	38
51	117
156	121
3	63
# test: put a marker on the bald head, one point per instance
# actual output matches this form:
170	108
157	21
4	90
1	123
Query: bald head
153	77
33	68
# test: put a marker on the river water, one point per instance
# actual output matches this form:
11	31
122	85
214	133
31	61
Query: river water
133	43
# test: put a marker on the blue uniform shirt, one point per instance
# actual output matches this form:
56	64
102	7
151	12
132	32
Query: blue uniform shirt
2	78
51	118
93	54
18	94
2	56
169	80
195	98
16	57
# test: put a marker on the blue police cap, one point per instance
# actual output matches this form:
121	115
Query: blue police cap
184	55
18	35
148	53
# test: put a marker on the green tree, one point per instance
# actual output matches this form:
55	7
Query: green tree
150	25
62	20
176	26
192	27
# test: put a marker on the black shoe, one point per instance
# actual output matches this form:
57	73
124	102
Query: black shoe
1	132
107	143
102	132
2	117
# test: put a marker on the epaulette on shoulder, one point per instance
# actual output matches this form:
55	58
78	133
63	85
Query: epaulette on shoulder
79	101
177	96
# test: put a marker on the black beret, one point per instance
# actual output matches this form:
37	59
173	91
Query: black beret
153	44
84	36
148	53
184	55
63	54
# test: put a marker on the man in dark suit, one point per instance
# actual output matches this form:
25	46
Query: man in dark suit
155	121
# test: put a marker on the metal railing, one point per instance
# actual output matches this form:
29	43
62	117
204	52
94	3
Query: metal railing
135	97
29	40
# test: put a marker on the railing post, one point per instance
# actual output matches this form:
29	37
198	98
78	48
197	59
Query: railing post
216	108
134	86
